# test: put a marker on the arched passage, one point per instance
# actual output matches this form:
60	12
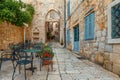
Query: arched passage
52	26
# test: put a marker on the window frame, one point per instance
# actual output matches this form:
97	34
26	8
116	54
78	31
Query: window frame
110	39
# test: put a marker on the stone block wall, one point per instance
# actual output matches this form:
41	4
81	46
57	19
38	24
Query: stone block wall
42	8
10	34
97	50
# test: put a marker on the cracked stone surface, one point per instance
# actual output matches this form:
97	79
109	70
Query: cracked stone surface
65	67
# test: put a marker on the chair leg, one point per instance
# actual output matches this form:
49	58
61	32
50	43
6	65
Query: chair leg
32	67
13	64
25	72
52	65
40	64
14	72
19	69
48	68
32	63
0	64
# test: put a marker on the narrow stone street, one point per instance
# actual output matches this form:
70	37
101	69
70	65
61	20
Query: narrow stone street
66	67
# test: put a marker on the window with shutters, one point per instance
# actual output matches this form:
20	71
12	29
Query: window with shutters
89	27
114	22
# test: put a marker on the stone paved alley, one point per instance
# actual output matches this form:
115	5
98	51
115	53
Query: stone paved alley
66	67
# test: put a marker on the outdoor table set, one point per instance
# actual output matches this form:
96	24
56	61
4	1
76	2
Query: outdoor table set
19	55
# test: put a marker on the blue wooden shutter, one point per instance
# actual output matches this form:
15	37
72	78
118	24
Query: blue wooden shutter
92	26
68	8
68	36
89	27
78	32
85	29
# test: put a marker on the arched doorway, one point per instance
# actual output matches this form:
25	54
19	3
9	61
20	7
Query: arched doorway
52	26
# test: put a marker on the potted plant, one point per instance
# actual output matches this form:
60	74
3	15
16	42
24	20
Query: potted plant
46	55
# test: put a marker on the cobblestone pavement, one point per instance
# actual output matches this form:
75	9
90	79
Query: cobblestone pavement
66	67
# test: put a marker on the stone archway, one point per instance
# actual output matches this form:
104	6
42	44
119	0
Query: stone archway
52	26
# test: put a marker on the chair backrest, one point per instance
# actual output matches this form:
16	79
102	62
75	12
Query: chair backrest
5	54
22	56
38	46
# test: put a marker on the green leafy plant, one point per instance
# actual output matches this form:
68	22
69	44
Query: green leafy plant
46	52
16	12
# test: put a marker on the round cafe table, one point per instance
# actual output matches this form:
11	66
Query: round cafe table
32	56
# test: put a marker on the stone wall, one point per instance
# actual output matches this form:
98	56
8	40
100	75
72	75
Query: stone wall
97	50
10	34
42	8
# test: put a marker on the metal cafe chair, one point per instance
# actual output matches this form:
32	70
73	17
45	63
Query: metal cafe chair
22	59
6	55
38	46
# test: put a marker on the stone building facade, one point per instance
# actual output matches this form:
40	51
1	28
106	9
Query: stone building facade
92	28
46	11
95	38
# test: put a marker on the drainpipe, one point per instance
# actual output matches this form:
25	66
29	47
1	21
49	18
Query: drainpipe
26	25
24	34
64	23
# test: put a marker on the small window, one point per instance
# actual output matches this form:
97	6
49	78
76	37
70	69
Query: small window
114	22
89	27
115	14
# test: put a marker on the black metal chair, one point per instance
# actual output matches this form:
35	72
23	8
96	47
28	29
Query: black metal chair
7	55
22	59
37	46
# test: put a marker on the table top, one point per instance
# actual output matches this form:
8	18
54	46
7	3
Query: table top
31	50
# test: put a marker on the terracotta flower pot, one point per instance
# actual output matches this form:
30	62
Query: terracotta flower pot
46	58
46	62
